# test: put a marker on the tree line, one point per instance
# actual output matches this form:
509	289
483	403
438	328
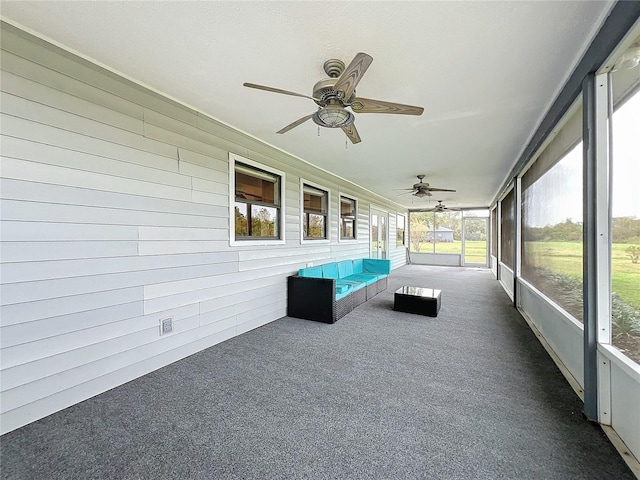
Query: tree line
624	230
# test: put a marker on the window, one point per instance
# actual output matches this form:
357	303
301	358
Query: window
257	193
347	218
315	216
625	221
435	232
400	229
494	232
507	215
474	229
420	231
446	236
551	239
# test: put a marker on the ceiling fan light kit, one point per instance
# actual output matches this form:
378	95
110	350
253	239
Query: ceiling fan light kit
335	94
333	116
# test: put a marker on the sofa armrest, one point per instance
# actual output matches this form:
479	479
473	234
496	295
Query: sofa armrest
311	298
375	265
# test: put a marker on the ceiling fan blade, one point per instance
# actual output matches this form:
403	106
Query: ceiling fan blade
347	82
352	133
278	90
433	189
366	105
295	124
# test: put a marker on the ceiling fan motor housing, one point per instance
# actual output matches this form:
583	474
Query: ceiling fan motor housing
323	91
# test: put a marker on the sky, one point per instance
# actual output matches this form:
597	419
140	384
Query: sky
626	159
557	195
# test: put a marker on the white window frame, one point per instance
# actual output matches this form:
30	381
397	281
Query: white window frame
355	227
233	159
317	186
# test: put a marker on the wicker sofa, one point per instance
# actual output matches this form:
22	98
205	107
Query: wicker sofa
328	292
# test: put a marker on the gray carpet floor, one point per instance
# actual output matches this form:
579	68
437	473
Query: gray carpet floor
470	394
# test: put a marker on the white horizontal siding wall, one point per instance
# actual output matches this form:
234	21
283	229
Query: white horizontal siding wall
115	216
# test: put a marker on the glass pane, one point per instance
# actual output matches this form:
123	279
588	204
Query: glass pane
348	218
383	233
475	241
625	248
347	207
241	222
316	226
508	229
421	231
254	189
315	203
400	227
446	237
552	233
374	235
264	221
348	228
494	232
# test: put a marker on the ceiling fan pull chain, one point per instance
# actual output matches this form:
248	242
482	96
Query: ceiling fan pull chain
346	144
318	130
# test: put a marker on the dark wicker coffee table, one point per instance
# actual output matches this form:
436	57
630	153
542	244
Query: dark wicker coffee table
419	300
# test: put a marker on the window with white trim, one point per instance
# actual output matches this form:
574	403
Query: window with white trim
315	212
348	221
257	203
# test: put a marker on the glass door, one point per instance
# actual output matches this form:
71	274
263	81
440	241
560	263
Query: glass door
474	241
379	241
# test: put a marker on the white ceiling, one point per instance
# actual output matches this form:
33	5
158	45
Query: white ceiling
485	73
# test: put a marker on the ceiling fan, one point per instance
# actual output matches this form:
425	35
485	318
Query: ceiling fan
441	207
423	189
335	94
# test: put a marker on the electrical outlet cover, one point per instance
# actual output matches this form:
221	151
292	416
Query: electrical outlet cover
166	326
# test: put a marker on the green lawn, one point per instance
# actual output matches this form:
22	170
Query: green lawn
475	252
561	257
566	258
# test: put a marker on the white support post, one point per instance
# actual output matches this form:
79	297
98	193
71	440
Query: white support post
498	237
603	239
517	271
603	207
604	390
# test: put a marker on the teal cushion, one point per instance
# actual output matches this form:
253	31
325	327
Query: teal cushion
357	266
342	295
358	285
366	278
343	288
330	270
355	285
374	265
313	272
345	268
